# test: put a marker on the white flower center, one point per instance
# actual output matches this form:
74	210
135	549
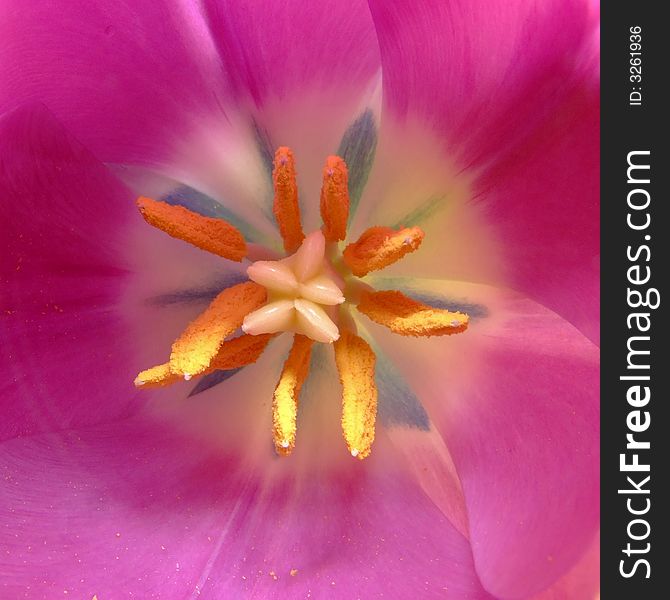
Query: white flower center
303	291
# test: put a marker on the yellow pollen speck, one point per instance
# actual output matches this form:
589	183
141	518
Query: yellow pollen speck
195	349
379	247
293	572
335	199
356	365
287	393
405	316
285	208
213	235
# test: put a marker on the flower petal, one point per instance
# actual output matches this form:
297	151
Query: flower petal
91	293
304	70
126	79
171	513
63	274
516	400
511	89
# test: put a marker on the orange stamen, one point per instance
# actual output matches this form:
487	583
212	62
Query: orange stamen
380	247
335	199
356	365
197	346
287	393
405	316
238	352
213	235
157	376
285	208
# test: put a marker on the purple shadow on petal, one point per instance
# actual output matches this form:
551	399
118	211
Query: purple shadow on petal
207	206
201	294
397	405
474	311
357	148
213	379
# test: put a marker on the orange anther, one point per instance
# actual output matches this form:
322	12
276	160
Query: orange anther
213	235
405	316
287	393
356	365
335	199
380	247
285	208
197	346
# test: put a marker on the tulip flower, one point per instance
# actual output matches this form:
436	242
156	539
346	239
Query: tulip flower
218	218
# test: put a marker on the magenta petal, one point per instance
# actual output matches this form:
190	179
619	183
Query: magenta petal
126	78
170	517
512	90
64	350
516	400
285	50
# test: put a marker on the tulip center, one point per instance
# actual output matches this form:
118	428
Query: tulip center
302	293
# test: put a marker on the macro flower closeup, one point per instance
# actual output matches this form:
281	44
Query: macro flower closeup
299	300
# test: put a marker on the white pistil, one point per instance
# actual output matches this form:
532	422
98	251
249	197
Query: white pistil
298	288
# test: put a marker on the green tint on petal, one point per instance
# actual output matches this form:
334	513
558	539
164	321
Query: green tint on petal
357	148
424	211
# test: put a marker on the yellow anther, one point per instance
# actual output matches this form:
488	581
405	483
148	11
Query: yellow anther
157	376
335	199
285	208
356	365
380	247
213	235
238	352
405	316
287	393
195	349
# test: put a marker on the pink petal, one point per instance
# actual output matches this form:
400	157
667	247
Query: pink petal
582	582
172	517
125	78
304	70
62	274
516	400
86	292
511	89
